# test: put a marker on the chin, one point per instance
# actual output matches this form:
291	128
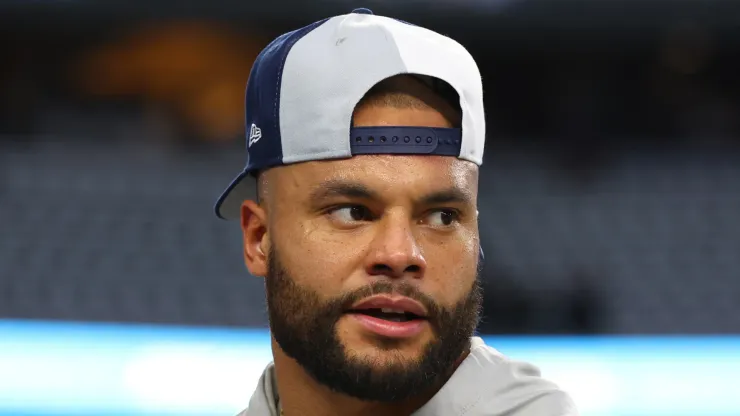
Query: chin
384	359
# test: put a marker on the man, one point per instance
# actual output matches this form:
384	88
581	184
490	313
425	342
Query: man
365	135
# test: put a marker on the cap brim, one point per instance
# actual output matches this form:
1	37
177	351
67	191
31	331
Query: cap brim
229	204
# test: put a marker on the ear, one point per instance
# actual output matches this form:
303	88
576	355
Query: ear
256	238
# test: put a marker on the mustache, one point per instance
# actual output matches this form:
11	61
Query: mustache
341	304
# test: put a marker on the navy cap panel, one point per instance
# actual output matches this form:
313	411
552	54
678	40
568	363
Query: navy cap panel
262	102
264	144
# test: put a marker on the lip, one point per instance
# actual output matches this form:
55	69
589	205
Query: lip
384	301
390	329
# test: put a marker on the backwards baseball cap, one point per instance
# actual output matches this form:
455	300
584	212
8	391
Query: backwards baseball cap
304	87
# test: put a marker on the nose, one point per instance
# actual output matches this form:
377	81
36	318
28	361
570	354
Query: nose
395	252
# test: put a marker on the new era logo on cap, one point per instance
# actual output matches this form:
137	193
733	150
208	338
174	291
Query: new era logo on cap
304	86
255	133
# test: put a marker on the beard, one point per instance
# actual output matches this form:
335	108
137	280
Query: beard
304	326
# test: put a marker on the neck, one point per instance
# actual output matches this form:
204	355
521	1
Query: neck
300	394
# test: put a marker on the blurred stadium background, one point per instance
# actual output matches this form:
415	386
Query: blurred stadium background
610	199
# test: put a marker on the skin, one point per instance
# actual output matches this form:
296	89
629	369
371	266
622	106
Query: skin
418	227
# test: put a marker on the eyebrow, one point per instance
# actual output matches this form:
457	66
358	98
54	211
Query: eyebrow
446	196
337	188
340	188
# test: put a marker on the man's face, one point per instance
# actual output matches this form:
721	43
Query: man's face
340	232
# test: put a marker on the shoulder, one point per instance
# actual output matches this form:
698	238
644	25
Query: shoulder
487	383
264	399
517	388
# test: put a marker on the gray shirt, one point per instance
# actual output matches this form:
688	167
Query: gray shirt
485	384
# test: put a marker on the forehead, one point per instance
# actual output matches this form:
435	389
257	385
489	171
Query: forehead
388	174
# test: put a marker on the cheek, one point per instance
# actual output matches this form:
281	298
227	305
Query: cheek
450	275
316	259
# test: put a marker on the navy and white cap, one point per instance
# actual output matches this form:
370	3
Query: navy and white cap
304	86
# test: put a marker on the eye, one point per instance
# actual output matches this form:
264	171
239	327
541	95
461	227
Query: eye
350	214
443	218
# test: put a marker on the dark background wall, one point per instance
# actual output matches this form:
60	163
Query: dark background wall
610	196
